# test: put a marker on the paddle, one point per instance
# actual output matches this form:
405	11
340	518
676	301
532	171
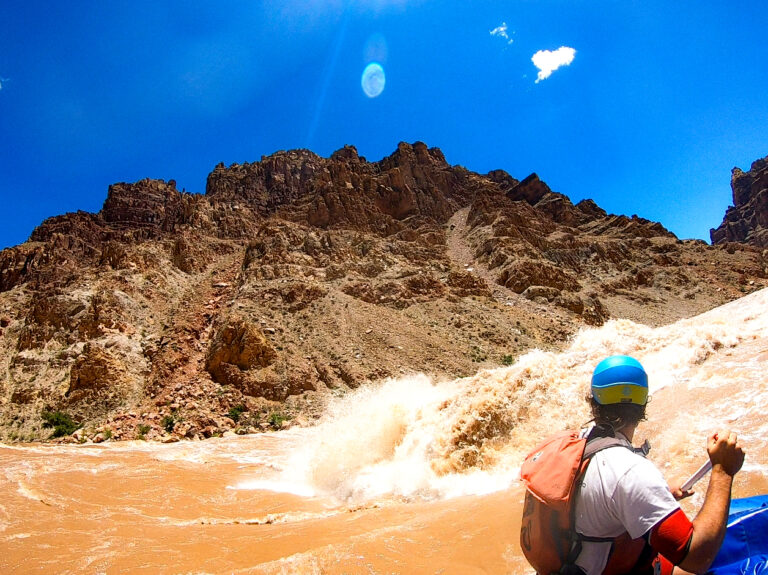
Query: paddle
701	472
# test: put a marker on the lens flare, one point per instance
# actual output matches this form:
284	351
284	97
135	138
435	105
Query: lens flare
376	49
373	80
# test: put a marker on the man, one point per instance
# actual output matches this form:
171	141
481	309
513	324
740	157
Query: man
628	517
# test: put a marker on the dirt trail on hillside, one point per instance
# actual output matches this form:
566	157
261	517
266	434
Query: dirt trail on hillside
462	255
192	326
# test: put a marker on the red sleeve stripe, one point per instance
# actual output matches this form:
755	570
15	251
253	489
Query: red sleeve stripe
672	536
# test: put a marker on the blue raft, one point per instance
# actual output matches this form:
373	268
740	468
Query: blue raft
745	548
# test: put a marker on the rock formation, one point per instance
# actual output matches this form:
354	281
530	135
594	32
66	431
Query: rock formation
746	221
174	315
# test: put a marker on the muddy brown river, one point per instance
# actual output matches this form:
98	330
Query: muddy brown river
408	476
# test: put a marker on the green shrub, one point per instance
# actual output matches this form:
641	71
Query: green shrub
508	360
107	434
61	422
477	355
143	429
236	412
169	421
276	419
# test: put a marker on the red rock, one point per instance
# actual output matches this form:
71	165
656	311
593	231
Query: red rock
747	220
171	296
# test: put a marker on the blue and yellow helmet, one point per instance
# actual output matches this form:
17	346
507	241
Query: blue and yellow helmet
620	379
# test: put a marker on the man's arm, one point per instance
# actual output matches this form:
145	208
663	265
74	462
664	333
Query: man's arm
727	457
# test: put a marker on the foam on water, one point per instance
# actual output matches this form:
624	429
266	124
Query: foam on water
416	437
375	440
276	485
268	519
4	519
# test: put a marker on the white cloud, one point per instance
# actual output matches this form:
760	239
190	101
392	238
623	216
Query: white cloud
547	62
502	31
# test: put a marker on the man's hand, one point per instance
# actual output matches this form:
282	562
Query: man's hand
679	494
727	457
724	451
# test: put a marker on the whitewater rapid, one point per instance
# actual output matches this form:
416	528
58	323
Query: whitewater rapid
408	475
417	437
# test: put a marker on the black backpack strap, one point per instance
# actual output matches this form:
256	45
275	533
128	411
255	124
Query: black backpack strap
600	443
595	444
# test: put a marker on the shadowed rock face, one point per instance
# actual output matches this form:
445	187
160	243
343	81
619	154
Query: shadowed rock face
147	203
169	314
345	190
747	220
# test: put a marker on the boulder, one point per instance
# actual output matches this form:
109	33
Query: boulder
524	273
238	346
570	301
546	292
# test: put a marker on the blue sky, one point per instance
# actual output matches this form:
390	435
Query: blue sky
659	101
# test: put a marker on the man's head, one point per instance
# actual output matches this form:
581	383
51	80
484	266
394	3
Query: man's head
619	392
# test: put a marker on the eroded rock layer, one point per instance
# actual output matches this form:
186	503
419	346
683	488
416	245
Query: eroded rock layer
746	221
169	315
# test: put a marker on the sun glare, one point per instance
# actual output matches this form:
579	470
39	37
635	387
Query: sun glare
373	80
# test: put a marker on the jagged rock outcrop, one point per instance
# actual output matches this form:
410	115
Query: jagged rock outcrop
345	190
95	370
147	203
71	318
169	314
746	221
239	344
540	245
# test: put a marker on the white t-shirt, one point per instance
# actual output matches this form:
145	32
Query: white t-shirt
621	491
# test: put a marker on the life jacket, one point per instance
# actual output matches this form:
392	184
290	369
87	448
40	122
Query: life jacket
549	541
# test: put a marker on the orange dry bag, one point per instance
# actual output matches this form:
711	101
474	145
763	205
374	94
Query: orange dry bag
550	473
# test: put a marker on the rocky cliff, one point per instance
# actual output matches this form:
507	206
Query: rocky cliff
746	221
170	315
